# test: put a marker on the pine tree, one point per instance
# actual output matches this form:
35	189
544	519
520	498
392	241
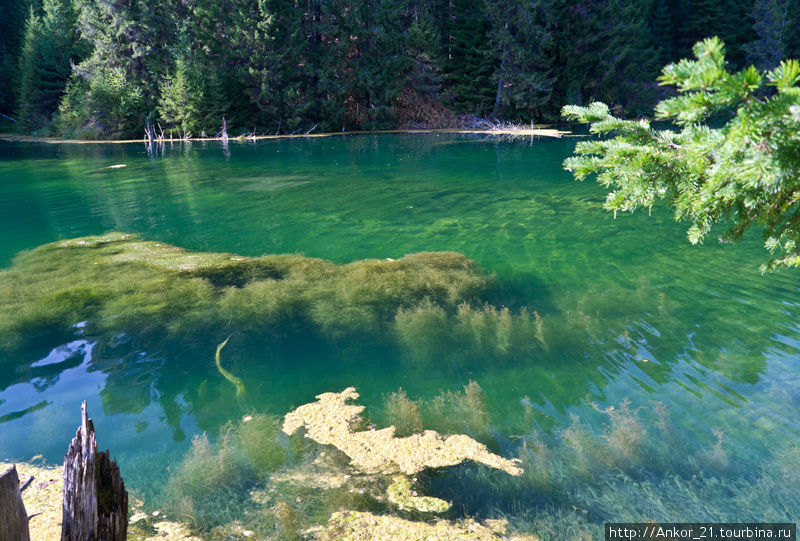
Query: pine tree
278	64
134	36
728	19
13	15
662	27
743	173
50	47
605	51
771	20
367	57
424	52
219	39
521	40
469	65
181	99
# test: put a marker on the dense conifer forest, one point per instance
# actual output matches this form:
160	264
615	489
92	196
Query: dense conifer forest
97	69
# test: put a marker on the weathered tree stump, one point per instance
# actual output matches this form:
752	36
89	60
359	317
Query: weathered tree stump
13	517
95	501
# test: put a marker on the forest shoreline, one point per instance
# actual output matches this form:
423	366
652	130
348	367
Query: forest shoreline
515	132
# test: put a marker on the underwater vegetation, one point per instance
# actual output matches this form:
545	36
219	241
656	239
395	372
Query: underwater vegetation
286	480
427	330
211	485
237	382
639	465
404	412
118	283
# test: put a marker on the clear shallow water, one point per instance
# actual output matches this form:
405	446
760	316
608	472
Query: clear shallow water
633	311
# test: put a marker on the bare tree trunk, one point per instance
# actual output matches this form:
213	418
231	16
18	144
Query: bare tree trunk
149	132
95	501
224	131
498	96
13	517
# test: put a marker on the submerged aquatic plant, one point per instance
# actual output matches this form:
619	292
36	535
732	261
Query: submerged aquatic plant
427	330
237	382
452	412
120	283
403	412
211	484
637	465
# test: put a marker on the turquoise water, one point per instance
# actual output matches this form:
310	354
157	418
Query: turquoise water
632	311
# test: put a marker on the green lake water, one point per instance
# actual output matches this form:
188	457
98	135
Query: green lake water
635	318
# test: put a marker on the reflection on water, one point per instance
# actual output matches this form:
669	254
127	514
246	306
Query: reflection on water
624	309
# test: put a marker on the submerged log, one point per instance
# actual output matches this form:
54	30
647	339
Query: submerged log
95	501
13	517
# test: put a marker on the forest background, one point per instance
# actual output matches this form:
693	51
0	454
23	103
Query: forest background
97	68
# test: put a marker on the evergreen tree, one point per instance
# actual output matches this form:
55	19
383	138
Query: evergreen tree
728	19
368	46
792	31
12	28
628	56
291	64
181	99
279	67
469	64
130	35
743	173
661	23
50	47
28	59
106	104
212	31
424	52
770	25
606	51
520	39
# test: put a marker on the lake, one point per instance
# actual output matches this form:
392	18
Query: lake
648	379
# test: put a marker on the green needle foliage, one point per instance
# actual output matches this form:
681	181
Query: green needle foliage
735	160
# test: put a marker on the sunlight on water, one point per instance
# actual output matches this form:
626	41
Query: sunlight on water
637	376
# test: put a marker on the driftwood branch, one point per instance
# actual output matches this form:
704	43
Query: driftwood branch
26	484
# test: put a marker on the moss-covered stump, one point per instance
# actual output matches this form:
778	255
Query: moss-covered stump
118	282
358	526
330	421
